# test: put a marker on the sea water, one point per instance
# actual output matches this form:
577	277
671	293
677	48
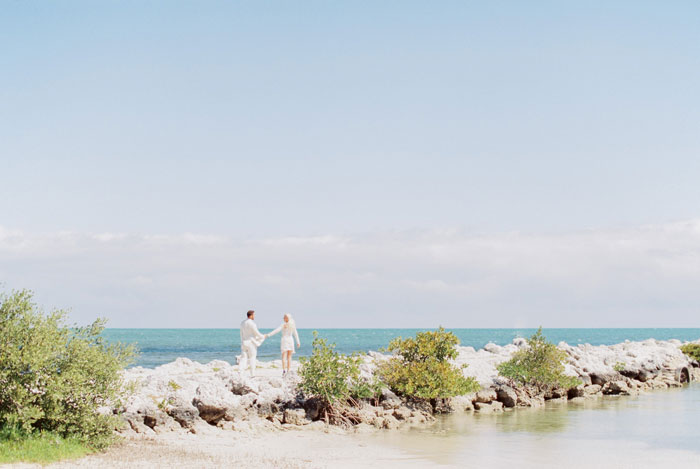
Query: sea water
657	429
159	346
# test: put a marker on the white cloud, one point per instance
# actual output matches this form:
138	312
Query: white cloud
636	277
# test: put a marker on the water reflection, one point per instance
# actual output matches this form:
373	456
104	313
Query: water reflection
655	429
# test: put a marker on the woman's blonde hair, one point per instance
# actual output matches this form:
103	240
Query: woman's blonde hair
291	320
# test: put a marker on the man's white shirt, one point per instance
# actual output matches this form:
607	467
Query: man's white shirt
249	332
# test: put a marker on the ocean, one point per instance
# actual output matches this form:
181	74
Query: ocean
159	346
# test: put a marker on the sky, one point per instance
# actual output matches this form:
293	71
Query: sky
359	164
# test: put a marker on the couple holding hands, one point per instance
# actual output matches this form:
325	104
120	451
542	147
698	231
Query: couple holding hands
251	339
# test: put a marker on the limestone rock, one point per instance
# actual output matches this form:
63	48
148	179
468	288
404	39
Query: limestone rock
507	396
485	396
295	417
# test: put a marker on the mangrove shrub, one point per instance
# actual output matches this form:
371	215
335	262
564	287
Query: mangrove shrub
692	350
53	377
421	367
540	365
334	378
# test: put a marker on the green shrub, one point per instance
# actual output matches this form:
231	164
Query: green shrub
692	350
54	378
421	368
541	365
619	366
334	379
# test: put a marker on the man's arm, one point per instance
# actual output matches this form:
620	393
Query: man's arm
257	333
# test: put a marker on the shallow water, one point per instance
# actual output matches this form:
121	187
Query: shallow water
159	346
657	429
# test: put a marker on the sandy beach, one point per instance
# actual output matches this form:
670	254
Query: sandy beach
217	448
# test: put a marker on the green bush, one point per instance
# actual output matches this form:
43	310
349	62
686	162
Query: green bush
334	379
54	378
421	368
541	365
692	350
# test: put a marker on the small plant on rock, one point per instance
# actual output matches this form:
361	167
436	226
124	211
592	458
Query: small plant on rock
692	350
335	380
619	367
421	367
540	365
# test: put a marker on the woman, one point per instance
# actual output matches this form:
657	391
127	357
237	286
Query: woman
289	332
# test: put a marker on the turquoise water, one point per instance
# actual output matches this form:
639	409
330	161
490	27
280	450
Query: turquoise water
159	346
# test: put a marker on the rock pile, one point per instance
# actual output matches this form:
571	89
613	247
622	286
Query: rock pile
189	396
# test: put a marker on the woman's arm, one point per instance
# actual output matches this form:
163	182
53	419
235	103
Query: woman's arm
273	332
296	336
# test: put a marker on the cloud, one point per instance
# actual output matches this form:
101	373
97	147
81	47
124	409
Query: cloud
634	277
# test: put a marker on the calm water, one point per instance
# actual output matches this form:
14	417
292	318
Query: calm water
658	429
160	346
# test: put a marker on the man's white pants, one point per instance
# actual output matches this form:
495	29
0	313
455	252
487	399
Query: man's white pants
249	352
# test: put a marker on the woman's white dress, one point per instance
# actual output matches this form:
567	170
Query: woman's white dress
289	334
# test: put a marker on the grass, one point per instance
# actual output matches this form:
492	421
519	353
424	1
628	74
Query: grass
40	448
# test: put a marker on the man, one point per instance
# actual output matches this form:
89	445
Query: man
251	339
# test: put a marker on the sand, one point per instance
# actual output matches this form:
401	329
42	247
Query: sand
218	448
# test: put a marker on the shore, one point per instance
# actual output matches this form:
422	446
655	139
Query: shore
288	449
187	414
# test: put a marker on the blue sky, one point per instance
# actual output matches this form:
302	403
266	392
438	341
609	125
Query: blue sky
380	124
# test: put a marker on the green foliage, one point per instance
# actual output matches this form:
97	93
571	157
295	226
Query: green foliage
164	403
421	368
692	350
173	385
53	378
366	389
619	366
334	377
540	365
38	447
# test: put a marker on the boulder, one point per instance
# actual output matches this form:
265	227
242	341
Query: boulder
462	403
313	407
240	386
402	413
591	389
507	396
616	387
213	401
485	396
137	424
493	406
295	417
267	410
390	422
389	400
184	413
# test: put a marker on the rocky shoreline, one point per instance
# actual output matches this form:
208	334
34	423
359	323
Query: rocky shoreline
186	396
